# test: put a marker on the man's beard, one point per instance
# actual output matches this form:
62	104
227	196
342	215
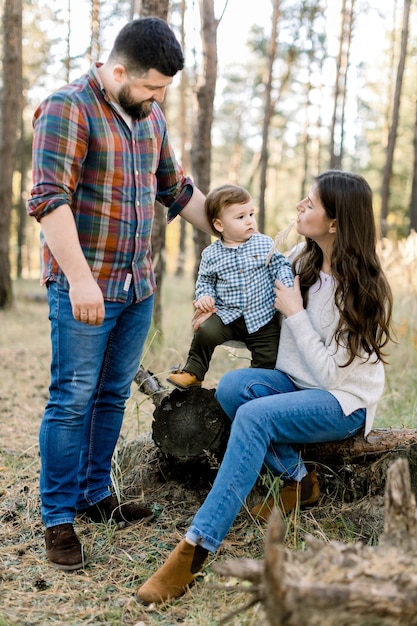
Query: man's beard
136	110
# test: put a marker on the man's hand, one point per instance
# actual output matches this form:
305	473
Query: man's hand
87	302
61	236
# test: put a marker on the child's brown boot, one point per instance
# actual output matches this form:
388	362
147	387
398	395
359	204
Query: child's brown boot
184	380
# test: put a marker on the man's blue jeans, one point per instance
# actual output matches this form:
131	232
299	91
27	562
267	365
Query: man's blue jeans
269	414
92	370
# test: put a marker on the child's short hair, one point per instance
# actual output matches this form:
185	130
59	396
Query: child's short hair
222	197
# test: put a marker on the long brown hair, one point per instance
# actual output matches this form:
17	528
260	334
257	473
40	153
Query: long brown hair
362	295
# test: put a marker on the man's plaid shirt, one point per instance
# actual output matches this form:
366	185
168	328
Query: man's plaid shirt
86	156
240	281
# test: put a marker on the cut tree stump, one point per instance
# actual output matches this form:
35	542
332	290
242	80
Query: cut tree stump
190	425
338	584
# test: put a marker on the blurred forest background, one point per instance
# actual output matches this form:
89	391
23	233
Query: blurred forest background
273	92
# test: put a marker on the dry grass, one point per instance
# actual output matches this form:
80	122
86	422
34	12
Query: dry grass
33	593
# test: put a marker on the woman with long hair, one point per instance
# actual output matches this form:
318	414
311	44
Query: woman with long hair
329	373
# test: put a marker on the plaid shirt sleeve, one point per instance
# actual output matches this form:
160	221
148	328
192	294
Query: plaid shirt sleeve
207	271
86	156
280	269
59	146
174	190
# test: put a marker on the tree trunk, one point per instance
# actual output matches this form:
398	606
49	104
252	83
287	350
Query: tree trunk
307	146
336	154
412	210
21	214
341	584
95	45
158	8
392	137
11	110
134	9
191	425
201	149
67	60
184	139
358	465
268	109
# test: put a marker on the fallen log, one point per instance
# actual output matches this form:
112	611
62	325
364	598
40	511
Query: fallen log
357	467
190	426
338	584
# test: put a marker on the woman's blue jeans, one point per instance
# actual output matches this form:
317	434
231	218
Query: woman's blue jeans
269	414
92	369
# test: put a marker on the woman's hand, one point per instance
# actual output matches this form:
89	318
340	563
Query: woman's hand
288	300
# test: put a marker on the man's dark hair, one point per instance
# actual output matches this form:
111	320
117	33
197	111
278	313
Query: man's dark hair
148	43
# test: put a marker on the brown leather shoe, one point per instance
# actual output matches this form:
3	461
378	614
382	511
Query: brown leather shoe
303	494
125	514
177	573
184	380
63	548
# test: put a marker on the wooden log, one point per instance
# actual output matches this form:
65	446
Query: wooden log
337	584
191	426
188	426
400	521
357	467
358	448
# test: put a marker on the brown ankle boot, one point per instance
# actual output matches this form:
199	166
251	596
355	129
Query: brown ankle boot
173	578
63	548
304	493
184	380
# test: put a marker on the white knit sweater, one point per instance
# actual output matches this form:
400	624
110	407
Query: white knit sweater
309	355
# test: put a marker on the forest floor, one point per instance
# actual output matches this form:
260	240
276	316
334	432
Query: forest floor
33	593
